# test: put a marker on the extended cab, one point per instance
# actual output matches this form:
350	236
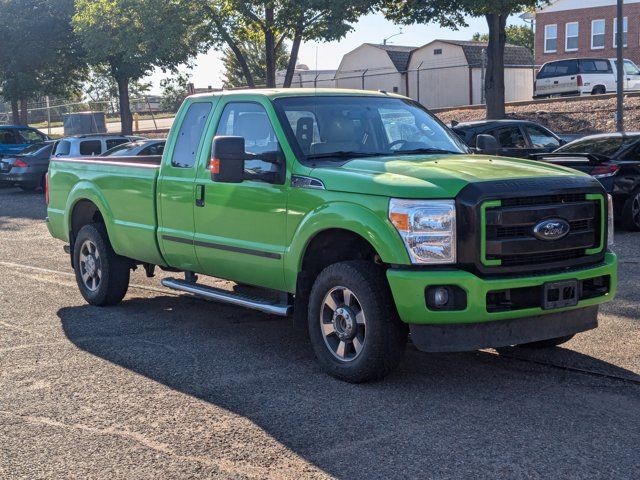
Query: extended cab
365	214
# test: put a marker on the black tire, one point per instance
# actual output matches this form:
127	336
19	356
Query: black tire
550	343
383	335
631	212
110	286
599	90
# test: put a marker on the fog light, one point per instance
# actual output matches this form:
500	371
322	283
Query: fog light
441	297
445	297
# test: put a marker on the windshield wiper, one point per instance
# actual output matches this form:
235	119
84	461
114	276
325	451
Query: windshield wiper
427	151
345	154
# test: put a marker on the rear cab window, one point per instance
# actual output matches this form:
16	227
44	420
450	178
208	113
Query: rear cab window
190	134
558	69
595	66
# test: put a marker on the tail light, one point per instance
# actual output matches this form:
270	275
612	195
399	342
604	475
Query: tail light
579	78
605	170
20	163
46	188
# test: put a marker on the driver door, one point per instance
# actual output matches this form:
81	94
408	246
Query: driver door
240	228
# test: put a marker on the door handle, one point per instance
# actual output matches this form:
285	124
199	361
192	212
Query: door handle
200	195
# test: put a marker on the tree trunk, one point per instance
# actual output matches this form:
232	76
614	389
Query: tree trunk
24	113
126	119
293	59
242	61
494	78
15	112
270	48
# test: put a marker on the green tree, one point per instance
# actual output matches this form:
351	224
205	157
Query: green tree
516	35
279	21
39	53
174	91
451	14
253	51
101	89
132	37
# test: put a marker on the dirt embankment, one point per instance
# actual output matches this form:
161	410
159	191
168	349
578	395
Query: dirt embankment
585	116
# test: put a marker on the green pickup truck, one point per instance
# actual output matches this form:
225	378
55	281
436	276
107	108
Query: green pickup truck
357	213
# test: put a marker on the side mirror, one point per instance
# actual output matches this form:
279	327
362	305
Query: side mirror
486	144
227	159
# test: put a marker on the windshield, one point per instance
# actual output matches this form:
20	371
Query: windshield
606	146
339	127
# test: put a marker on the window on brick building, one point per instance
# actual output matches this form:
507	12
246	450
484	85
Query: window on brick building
571	37
624	32
597	34
550	38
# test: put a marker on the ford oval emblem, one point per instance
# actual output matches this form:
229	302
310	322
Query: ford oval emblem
553	229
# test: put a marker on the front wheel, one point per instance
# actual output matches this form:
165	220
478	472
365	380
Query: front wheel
101	274
353	325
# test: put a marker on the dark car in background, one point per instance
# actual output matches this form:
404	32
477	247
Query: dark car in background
14	139
138	148
516	138
28	168
614	159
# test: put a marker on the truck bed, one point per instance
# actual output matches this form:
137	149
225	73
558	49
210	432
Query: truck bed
123	189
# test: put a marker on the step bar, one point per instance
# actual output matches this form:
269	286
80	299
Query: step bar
225	296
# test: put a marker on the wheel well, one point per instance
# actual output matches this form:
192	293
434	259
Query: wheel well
84	212
326	248
600	88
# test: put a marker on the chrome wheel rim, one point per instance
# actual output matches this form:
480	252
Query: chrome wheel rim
343	324
90	265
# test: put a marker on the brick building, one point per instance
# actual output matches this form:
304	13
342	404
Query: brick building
585	28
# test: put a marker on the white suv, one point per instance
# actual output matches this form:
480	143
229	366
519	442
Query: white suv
89	145
583	76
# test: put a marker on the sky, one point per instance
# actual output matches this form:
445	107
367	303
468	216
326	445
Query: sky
372	28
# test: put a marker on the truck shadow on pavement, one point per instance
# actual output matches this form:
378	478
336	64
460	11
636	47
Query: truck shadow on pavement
444	415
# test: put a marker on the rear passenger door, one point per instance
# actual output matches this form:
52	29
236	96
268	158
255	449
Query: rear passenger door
176	187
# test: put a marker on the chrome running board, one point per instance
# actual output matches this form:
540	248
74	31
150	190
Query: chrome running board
224	296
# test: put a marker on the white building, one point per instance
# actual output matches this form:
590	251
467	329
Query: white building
305	78
375	67
447	73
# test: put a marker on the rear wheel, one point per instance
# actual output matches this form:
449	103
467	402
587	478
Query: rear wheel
101	274
550	343
598	90
631	212
353	325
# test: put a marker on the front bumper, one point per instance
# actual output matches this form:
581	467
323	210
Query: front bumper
408	288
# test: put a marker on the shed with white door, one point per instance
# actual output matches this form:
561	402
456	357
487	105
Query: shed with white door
448	73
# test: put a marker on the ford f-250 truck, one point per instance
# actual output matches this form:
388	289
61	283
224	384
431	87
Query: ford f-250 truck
367	216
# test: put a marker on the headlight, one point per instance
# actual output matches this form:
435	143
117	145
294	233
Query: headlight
609	221
428	228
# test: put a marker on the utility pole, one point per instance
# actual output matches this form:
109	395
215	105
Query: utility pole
619	68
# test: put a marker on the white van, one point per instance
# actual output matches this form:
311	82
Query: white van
583	76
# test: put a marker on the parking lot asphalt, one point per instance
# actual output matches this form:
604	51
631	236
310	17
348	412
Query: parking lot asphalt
169	386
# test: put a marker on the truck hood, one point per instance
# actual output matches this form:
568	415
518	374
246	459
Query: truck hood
429	176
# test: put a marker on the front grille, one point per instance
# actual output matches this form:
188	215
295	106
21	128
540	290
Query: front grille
509	230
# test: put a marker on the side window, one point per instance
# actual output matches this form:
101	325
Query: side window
114	142
30	136
156	149
7	137
186	149
63	148
90	147
541	138
510	137
250	121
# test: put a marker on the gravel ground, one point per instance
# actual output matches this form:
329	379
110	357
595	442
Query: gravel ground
168	386
595	115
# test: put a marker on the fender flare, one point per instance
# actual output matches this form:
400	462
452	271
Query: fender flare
379	232
86	190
